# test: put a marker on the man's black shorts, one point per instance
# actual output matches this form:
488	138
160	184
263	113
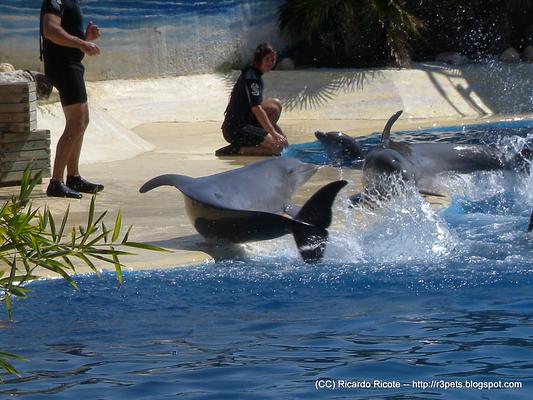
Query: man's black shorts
68	80
244	136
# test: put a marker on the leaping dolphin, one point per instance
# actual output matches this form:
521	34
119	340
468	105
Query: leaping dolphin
246	204
420	163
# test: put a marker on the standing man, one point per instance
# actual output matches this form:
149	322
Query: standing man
250	123
64	44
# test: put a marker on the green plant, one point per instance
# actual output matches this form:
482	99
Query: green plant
350	32
30	239
399	26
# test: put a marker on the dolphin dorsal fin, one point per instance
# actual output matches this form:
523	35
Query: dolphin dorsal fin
385	136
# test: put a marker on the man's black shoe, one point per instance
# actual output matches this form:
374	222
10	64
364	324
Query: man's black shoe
81	185
229	150
59	189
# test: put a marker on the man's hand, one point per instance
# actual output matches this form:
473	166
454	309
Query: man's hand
276	139
92	32
280	139
89	48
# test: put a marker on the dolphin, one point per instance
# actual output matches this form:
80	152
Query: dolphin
340	148
421	163
530	226
248	203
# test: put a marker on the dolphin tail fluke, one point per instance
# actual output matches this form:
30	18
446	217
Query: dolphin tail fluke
164	180
385	136
530	226
311	223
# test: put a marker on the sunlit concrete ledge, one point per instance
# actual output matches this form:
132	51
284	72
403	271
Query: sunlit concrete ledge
427	91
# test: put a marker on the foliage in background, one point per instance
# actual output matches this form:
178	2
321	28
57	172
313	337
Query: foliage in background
31	239
359	33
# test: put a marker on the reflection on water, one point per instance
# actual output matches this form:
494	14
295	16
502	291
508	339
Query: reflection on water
240	328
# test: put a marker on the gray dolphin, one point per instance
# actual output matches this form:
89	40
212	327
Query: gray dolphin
340	148
420	163
246	204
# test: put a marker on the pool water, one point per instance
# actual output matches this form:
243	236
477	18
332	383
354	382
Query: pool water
410	302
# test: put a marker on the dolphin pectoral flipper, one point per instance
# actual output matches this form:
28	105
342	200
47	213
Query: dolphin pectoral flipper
309	228
165	180
385	136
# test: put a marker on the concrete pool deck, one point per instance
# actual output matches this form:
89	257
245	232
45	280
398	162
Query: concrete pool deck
140	129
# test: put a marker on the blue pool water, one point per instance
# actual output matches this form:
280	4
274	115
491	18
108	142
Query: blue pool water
409	296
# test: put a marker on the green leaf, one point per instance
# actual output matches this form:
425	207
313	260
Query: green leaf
73	238
118	269
6	365
106	233
7	299
68	262
102	258
18	291
100	218
63	223
145	246
97	239
44	220
57	267
127	235
91	213
52	225
116	231
88	262
19	278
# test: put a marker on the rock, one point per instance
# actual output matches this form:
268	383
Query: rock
527	55
511	55
5	67
452	58
44	87
15	76
285	64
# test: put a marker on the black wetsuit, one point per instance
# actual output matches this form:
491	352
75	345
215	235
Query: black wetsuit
62	65
240	127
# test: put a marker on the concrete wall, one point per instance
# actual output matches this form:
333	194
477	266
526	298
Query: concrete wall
149	38
426	91
320	98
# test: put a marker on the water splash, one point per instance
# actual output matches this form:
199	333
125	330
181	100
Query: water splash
402	228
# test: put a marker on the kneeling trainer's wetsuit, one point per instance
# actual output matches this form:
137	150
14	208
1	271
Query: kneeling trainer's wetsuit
240	127
62	65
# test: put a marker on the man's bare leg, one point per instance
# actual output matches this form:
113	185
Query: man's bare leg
68	156
69	145
68	148
74	180
73	162
273	110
